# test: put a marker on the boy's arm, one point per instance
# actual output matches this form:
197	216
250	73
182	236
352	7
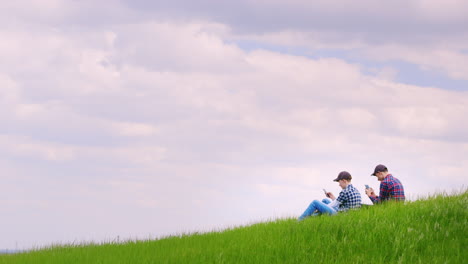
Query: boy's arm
335	203
384	193
372	196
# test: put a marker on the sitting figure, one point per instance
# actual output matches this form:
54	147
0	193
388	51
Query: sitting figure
348	198
390	187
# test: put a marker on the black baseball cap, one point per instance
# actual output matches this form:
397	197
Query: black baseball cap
379	168
343	175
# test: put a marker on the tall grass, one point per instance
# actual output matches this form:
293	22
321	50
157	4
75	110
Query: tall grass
432	230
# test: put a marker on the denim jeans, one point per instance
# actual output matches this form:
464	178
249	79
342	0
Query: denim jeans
320	206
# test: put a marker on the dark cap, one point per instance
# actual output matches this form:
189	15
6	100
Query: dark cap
343	175
379	168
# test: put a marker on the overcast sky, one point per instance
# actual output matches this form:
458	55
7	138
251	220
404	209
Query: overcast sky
138	119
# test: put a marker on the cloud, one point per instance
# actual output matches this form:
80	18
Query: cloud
49	152
134	129
335	12
439	55
134	96
450	62
9	89
212	54
450	11
24	147
379	32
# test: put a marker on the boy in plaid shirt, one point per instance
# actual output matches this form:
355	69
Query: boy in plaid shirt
390	187
349	198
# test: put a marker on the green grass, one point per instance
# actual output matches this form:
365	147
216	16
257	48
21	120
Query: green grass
431	230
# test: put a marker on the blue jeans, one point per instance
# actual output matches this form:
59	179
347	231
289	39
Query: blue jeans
318	207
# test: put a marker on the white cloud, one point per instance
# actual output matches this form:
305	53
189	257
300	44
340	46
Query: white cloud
38	9
441	55
441	11
117	69
452	63
134	129
8	90
23	148
181	40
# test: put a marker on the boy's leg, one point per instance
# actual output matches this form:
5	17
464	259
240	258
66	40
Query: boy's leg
309	211
323	208
326	201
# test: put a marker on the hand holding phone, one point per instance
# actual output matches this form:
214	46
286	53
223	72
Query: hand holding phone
369	191
326	194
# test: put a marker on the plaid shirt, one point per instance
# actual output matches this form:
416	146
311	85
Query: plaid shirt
390	189
349	198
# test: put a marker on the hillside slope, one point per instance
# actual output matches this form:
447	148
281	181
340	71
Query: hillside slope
432	230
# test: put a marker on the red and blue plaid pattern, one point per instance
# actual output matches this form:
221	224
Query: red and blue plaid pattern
390	189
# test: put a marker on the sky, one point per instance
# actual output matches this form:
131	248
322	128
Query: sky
137	119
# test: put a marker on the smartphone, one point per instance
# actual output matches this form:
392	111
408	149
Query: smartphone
325	191
367	186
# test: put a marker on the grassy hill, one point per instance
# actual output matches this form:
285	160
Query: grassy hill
432	230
